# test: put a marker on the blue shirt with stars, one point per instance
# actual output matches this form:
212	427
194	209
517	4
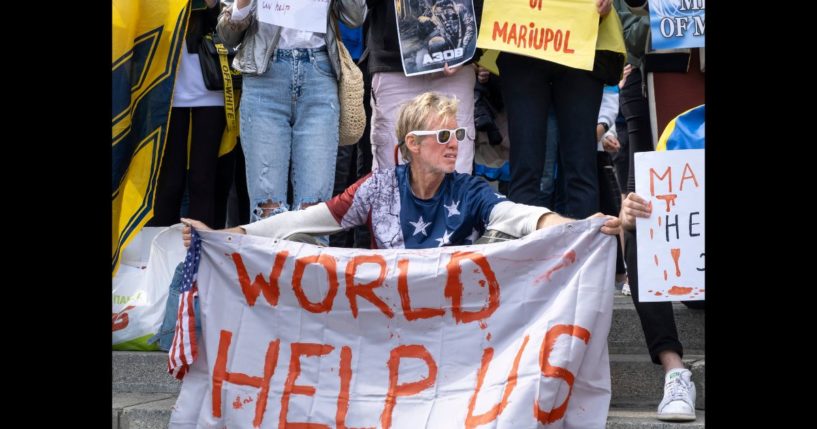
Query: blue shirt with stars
457	214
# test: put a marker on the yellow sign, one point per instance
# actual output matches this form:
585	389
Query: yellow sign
562	31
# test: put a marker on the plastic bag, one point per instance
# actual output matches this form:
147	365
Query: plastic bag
140	287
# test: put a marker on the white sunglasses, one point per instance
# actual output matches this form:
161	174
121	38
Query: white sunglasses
443	136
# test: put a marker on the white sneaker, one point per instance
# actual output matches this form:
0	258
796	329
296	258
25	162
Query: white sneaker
679	397
625	290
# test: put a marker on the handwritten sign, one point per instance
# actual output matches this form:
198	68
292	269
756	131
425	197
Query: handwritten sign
304	15
562	31
503	335
678	24
671	242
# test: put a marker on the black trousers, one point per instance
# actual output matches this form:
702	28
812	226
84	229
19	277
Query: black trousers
636	111
610	199
528	86
206	125
657	318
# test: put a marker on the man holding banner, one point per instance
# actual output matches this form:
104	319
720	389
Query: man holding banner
421	204
539	318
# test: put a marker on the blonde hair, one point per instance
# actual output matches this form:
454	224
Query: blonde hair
416	113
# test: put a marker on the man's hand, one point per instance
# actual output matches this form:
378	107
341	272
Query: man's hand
632	207
187	232
611	227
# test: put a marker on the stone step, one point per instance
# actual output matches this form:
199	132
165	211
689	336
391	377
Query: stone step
643	417
626	335
152	411
144	372
635	379
136	410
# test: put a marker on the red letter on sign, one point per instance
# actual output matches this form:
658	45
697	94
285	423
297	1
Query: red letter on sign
260	285
547	417
453	287
298	349
220	375
406	389
366	290
472	421
328	263
405	300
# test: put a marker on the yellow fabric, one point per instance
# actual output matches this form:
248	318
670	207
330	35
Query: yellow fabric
611	34
230	137
488	60
146	45
573	23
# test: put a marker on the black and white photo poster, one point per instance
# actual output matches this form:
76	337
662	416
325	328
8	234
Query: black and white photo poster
435	32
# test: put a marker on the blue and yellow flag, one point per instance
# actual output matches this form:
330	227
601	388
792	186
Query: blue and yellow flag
147	39
685	131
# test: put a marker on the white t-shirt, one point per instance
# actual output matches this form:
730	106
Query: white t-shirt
189	90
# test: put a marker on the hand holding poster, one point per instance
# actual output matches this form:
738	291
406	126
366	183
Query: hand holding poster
506	335
562	31
433	33
671	241
304	15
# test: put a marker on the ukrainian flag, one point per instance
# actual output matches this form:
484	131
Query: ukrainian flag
147	41
685	131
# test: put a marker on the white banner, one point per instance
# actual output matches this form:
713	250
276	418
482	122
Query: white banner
510	335
671	241
304	15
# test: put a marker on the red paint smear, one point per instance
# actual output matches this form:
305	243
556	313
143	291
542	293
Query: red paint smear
482	283
488	337
237	403
659	220
679	290
482	324
655	258
665	275
669	199
567	259
676	254
658	293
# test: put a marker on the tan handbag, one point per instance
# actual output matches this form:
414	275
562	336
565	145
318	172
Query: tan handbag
350	95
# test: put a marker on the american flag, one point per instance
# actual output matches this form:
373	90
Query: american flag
184	349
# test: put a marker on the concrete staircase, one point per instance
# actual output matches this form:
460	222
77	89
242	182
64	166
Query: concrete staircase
143	393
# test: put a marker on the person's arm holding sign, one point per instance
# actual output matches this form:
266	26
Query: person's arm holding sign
632	207
233	22
604	6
